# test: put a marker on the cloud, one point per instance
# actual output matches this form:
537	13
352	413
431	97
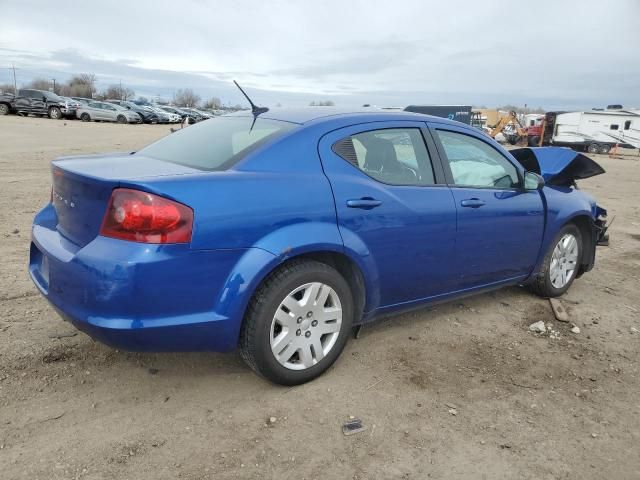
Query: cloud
575	53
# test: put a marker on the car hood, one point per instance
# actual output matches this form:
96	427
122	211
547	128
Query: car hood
557	165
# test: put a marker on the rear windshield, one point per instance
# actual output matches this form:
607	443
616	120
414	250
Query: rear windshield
215	144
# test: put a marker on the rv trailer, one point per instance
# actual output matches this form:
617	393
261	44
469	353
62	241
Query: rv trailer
596	131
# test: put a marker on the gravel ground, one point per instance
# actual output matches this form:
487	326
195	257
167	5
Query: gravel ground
462	390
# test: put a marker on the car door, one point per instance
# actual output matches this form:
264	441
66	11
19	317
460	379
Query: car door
110	112
500	224
101	111
393	207
22	101
94	110
38	102
26	100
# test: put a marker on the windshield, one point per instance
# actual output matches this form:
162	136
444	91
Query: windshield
215	144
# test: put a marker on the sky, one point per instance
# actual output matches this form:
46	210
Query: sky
550	53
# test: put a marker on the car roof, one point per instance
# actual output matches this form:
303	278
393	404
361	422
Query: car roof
320	114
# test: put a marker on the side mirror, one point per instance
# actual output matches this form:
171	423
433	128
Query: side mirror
533	181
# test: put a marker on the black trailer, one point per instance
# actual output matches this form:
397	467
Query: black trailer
459	113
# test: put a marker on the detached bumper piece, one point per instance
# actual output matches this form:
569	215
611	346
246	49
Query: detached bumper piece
599	237
601	226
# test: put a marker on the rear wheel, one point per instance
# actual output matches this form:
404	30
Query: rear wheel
121	119
561	263
55	113
593	148
4	109
604	149
85	117
298	322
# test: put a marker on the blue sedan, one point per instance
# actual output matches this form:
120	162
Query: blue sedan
278	232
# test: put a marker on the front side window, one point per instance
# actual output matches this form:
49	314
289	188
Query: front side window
475	163
396	156
217	143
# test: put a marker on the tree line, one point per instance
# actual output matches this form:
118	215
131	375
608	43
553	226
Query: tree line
85	85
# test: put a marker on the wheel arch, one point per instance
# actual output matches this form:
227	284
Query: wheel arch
585	226
257	264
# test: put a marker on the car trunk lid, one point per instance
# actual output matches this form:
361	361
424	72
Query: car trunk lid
82	187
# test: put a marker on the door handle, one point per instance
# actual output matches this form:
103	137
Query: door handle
472	202
366	203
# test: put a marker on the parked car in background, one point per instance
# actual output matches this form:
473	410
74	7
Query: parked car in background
181	112
107	112
6	103
146	114
164	116
199	114
41	102
392	211
72	106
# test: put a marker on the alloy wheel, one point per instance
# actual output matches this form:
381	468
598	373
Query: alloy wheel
564	261
306	326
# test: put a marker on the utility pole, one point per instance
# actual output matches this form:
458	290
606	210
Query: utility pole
121	90
15	84
54	85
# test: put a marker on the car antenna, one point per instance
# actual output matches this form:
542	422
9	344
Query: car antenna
254	108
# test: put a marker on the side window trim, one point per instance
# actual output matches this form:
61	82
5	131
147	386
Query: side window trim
437	160
432	156
445	161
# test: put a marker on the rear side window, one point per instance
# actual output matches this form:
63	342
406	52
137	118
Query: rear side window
216	144
395	156
474	163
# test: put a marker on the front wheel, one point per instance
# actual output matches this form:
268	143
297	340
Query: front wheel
55	113
297	323
4	109
561	263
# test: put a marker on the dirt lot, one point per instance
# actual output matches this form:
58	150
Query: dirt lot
463	390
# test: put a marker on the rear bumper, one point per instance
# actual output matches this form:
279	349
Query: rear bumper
137	296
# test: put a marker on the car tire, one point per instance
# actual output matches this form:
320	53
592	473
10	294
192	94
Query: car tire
547	283
298	361
55	113
593	148
534	141
121	119
4	109
85	117
604	149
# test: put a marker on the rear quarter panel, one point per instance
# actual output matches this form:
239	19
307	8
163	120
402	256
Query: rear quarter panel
276	204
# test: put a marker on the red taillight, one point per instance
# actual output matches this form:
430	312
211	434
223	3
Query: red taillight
147	218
